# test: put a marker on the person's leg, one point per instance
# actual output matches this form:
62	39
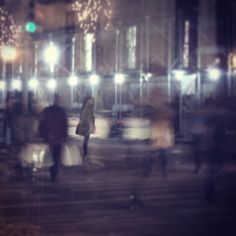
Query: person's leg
163	160
147	162
85	144
56	153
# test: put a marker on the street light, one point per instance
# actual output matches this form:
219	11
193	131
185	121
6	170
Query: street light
179	74
147	77
16	84
51	55
214	73
119	78
52	84
72	81
94	80
33	84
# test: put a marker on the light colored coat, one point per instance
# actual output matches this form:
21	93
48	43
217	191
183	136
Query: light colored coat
87	118
162	134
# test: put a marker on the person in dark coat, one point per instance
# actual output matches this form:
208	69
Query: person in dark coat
87	121
53	128
9	118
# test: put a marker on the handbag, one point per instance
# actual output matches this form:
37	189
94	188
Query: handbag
71	155
37	154
82	129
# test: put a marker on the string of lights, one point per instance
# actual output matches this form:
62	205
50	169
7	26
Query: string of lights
90	12
9	31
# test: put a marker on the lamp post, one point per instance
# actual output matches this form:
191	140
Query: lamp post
52	85
51	57
72	81
33	84
16	84
147	77
119	80
94	80
214	73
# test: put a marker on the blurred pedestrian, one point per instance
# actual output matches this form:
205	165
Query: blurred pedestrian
158	112
32	104
86	124
161	138
9	107
199	131
53	127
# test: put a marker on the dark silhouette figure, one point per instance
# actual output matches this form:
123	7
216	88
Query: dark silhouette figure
53	127
162	138
87	122
214	155
32	102
9	103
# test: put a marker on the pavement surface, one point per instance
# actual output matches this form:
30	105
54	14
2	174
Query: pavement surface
109	195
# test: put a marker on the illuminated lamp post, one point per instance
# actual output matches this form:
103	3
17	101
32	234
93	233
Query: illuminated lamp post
51	56
147	77
52	85
73	82
94	80
33	84
16	84
214	73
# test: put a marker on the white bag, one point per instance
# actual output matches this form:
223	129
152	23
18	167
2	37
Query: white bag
71	155
37	154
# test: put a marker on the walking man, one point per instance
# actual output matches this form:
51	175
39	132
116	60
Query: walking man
53	128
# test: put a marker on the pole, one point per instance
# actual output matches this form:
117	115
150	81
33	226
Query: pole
120	102
169	61
147	49
35	65
180	110
72	67
4	81
141	64
199	79
116	68
73	55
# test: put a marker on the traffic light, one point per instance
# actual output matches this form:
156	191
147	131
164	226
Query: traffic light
30	25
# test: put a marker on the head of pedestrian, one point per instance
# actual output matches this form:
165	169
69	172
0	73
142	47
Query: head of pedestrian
88	102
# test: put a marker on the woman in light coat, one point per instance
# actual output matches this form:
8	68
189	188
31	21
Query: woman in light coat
161	138
87	121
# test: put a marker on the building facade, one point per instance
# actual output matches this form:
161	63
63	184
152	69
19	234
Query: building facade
146	40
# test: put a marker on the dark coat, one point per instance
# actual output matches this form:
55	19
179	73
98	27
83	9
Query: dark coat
53	125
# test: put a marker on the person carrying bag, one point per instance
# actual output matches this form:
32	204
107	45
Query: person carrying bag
86	125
